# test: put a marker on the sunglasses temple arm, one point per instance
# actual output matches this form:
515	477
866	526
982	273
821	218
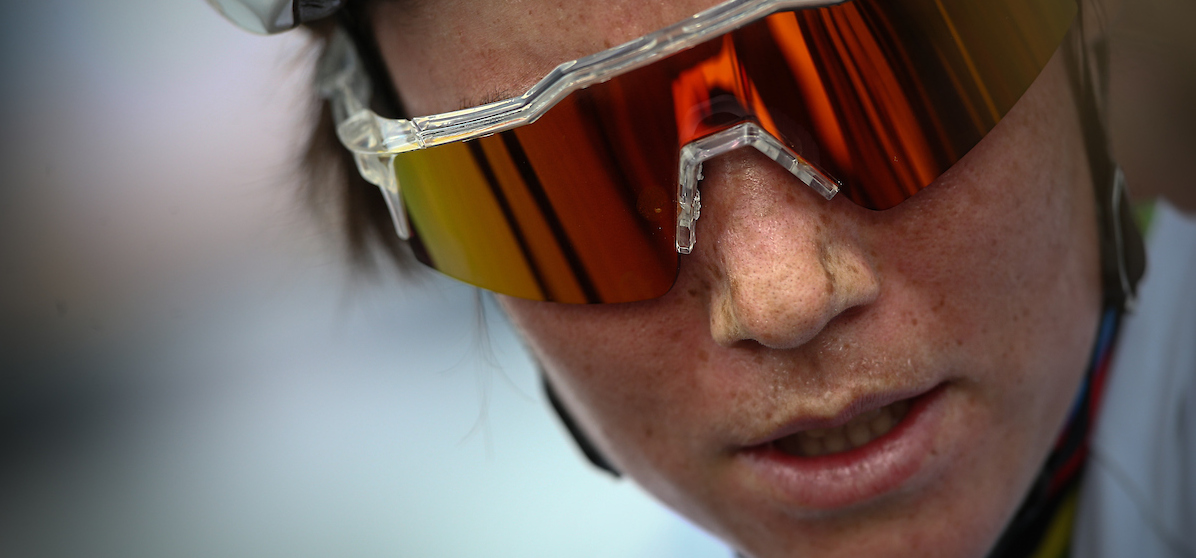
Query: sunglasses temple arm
394	201
348	91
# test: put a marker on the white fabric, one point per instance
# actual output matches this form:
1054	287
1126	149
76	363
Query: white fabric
1139	493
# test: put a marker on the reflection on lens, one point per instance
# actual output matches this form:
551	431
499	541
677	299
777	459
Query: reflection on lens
581	205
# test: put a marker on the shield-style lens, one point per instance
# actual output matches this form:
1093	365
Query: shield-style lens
581	205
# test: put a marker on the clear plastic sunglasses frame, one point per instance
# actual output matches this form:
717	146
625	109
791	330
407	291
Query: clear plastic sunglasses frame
374	140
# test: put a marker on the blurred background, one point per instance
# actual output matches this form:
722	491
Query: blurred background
188	367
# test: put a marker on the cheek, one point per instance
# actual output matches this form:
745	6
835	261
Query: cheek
997	264
615	365
642	379
1004	247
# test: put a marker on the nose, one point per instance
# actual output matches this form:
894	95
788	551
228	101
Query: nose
780	262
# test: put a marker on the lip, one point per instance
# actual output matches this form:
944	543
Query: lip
840	480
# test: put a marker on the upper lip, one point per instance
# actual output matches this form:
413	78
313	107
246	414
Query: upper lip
858	406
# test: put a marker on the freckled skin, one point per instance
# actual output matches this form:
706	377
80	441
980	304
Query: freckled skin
790	305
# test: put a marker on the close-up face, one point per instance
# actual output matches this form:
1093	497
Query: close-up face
822	379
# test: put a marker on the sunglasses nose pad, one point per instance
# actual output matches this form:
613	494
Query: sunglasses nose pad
744	134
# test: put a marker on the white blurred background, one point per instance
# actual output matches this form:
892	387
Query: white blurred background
188	368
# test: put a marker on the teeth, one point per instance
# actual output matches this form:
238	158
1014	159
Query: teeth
859	433
810	446
881	424
835	441
861	430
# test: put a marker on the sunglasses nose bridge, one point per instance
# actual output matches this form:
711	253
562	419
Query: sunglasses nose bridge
744	134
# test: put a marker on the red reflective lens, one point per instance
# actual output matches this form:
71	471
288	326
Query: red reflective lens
581	205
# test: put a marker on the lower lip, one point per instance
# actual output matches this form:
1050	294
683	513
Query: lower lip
835	481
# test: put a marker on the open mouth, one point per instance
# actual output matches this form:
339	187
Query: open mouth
857	432
864	452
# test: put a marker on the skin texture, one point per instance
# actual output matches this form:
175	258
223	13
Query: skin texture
793	307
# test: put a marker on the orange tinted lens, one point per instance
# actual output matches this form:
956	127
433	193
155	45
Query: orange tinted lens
580	205
526	214
886	95
881	95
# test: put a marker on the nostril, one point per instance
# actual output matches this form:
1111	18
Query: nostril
776	312
781	293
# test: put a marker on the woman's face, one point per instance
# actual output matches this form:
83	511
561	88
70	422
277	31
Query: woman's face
822	379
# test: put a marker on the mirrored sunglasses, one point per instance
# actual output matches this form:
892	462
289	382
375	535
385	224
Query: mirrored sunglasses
586	188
